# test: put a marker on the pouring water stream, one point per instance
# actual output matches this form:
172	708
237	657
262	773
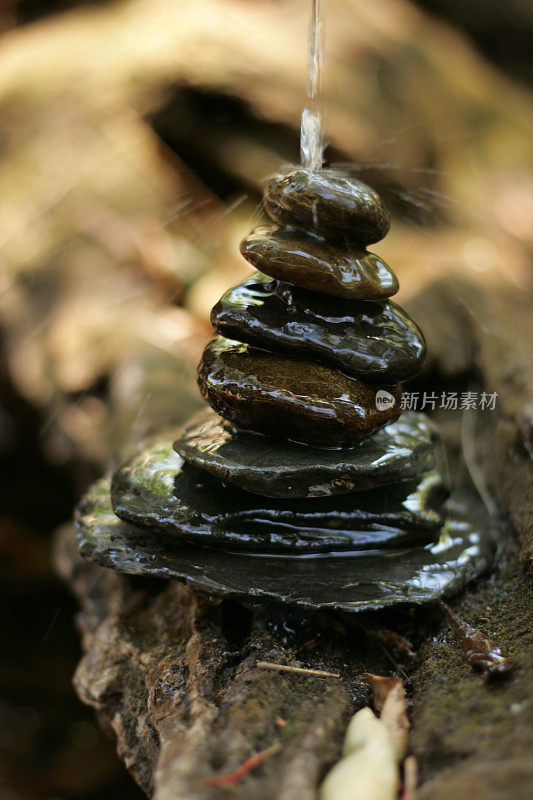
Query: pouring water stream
312	127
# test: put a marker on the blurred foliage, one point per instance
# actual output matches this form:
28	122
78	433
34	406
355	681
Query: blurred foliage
134	139
502	31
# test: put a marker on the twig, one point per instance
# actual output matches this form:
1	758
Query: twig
319	673
247	766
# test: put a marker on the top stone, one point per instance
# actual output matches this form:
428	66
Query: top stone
329	204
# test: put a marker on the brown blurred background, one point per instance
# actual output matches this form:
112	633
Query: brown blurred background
134	139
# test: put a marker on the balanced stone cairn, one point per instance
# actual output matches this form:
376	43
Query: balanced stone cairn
302	484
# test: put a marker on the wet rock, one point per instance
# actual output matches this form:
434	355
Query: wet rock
158	492
370	340
398	452
328	203
307	261
347	582
290	397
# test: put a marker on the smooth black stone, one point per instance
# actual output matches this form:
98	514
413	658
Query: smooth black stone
328	203
372	341
157	491
399	452
347	582
308	261
290	397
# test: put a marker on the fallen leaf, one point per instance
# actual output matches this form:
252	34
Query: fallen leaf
368	768
394	717
481	652
395	641
381	686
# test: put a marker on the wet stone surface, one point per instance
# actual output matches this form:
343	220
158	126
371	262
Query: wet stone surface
346	582
289	397
328	203
370	340
158	492
305	260
306	490
398	452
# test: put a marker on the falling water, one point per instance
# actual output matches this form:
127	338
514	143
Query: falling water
312	128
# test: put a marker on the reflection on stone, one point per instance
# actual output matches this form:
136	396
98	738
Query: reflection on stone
367	340
159	492
290	398
398	452
345	582
328	203
305	260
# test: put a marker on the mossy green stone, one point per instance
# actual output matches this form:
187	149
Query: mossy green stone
344	582
157	491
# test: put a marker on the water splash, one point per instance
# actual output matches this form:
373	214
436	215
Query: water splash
312	127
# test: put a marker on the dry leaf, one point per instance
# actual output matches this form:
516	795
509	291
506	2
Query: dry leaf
368	769
381	686
394	717
390	702
481	652
396	641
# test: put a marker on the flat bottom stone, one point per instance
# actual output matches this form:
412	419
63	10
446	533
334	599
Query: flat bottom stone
398	452
342	582
158	492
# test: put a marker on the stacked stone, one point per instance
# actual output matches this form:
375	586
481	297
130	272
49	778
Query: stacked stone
291	455
303	351
304	345
298	485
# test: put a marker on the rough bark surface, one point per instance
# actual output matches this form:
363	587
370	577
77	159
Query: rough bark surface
174	676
